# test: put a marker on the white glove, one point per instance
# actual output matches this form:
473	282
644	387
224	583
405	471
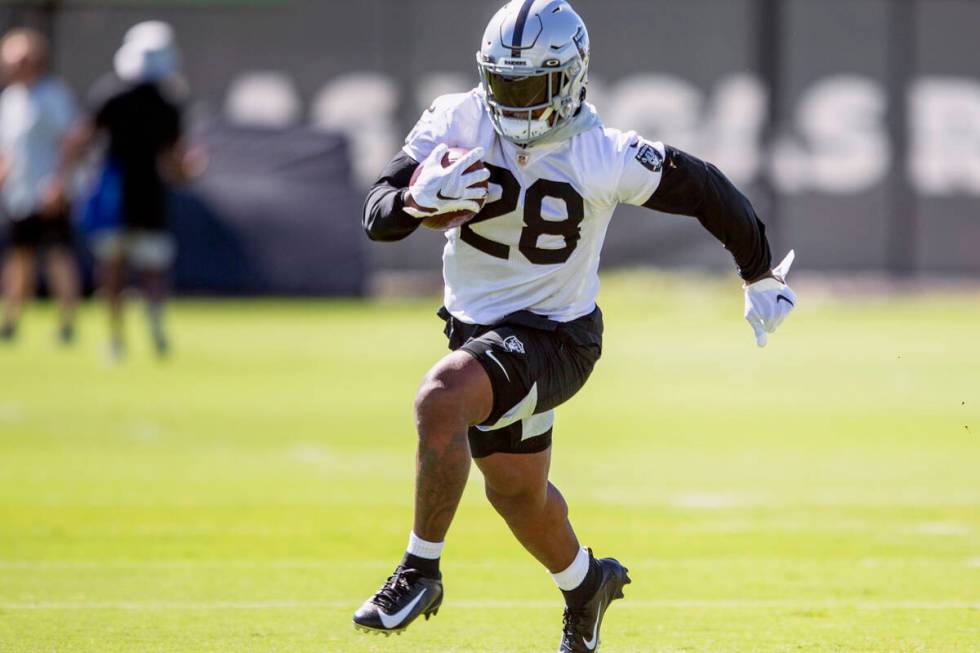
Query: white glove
769	301
443	190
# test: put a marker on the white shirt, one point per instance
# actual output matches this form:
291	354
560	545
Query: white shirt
33	121
541	253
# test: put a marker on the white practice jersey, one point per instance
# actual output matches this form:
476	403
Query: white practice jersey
537	247
33	121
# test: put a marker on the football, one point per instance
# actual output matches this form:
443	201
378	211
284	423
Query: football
452	219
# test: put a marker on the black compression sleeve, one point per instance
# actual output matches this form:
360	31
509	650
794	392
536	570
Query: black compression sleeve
693	187
384	217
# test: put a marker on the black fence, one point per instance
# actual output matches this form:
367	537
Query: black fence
854	125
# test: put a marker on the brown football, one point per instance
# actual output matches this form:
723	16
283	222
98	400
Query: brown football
444	221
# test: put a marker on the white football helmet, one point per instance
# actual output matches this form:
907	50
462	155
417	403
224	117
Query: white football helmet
148	54
534	66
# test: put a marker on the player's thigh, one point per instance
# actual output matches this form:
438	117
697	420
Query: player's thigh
565	373
516	475
455	387
532	371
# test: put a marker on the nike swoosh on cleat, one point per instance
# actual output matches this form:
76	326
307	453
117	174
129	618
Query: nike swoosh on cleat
392	620
591	643
785	299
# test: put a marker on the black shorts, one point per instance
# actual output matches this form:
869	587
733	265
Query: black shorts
37	230
534	365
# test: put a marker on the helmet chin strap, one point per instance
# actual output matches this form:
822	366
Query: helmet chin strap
524	129
583	120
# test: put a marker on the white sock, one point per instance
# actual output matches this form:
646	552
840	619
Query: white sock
428	550
572	577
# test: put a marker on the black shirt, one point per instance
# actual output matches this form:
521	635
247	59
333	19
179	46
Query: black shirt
141	123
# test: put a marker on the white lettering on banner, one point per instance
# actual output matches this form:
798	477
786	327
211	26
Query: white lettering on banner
725	128
655	104
842	146
836	141
263	99
433	85
732	130
362	106
946	135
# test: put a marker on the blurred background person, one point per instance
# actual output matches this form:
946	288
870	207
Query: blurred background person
36	113
137	108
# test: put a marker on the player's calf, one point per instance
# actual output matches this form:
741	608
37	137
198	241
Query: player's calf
455	394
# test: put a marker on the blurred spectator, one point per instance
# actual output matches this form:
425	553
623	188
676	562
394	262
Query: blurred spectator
138	109
36	112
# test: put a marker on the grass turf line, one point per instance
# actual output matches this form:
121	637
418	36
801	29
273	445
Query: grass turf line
819	495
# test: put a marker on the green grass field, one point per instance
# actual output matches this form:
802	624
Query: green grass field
822	494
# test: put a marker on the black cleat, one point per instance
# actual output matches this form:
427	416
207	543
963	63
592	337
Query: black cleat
66	334
405	595
161	345
8	332
580	632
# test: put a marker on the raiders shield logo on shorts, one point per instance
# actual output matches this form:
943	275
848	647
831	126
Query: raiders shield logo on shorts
514	345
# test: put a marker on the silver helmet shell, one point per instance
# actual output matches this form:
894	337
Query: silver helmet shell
534	65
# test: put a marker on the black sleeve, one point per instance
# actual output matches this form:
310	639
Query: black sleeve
384	217
99	100
690	186
174	102
173	125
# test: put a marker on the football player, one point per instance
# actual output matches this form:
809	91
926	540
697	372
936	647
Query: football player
521	280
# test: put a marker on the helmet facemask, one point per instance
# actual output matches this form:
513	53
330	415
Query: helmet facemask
515	94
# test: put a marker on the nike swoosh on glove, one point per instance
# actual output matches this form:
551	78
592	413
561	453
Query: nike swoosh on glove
444	190
769	301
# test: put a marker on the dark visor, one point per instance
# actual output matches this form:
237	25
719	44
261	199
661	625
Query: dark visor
510	91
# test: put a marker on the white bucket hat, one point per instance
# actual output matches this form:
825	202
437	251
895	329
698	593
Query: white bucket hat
148	53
